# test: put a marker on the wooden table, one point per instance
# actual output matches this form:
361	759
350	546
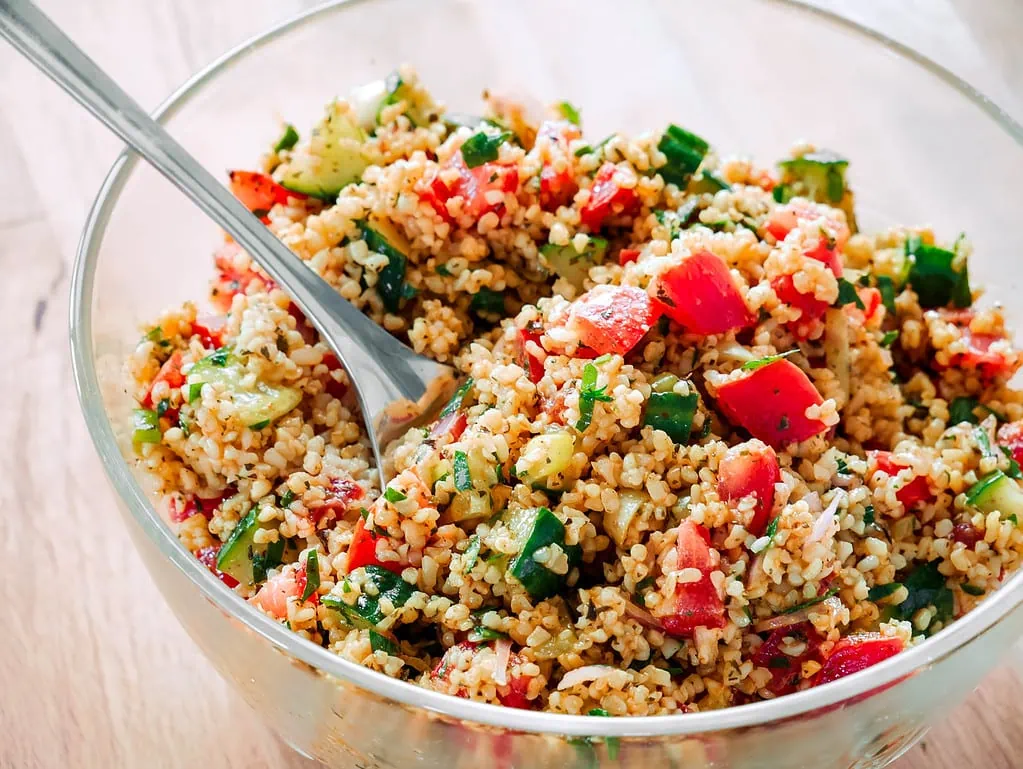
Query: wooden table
94	670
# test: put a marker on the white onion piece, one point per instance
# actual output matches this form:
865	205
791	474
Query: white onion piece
813	500
584	674
782	620
445	424
825	519
642	616
503	650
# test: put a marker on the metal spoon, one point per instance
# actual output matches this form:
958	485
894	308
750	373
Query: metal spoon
394	384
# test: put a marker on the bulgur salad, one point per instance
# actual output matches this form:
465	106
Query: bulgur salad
713	444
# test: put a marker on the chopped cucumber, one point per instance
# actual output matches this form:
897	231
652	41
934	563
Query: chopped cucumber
470	505
384	238
617	524
545	456
537	529
997	491
366	611
370	100
672	413
240	554
572	265
934	276
684	152
146	424
819	176
707	182
255	405
331	159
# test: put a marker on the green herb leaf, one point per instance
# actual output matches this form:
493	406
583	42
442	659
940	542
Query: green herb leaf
486	301
782	193
393	496
484	634
847	294
962	410
589	394
194	391
312	575
285	499
1014	470
442	269
260	425
926	586
483	147
972	589
843	466
378	642
887	288
570	113
154	334
868	515
463	477
889	338
932	275
880	592
458	398
269	559
472	553
811	602
288	139
218	357
753	365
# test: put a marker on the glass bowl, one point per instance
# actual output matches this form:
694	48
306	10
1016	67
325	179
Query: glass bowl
753	75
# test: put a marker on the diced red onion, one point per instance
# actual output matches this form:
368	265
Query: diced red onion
823	522
782	620
503	650
584	674
642	616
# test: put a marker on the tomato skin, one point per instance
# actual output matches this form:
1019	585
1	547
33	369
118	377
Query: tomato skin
750	468
341	493
628	255
259	192
232	279
333	387
697	604
472	186
302	581
530	363
194	505
612	319
170	373
207	556
516	697
363	550
607	199
700	295
917	490
210	331
451	426
810	307
771	403
784	219
855	653
557	188
978	355
785	670
1010	436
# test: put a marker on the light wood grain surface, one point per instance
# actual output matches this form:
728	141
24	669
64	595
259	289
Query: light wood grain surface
94	670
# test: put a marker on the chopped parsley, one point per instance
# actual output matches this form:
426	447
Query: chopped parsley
972	589
753	365
260	425
811	602
392	495
483	634
482	147
589	394
194	391
934	278
312	575
162	407
288	139
570	113
880	592
868	515
472	553
463	477
962	410
847	294
458	398
218	357
378	642
887	288
926	586
772	530
269	559
486	301
285	500
442	269
843	466
889	338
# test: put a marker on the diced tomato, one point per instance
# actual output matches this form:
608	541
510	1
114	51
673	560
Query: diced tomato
607	199
207	556
170	373
210	330
194	505
363	550
810	307
785	669
804	213
516	697
472	186
917	490
700	294
967	534
1010	436
612	319
530	363
750	468
627	255
979	356
871	299
557	187
302	581
333	387
771	403
340	495
305	328
450	426
232	279
273	596
259	192
855	653
697	604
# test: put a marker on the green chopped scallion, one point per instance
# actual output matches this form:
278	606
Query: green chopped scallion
312	575
570	113
463	476
472	553
684	152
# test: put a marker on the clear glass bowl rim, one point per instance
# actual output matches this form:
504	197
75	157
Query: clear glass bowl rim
944	643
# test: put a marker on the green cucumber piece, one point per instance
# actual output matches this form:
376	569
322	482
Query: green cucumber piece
819	176
535	529
146	426
572	265
382	237
255	405
684	152
707	182
997	491
235	557
331	159
933	276
366	611
672	413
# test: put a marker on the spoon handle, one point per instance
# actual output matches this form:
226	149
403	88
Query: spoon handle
388	371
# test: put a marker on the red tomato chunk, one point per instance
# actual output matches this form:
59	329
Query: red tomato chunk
750	469
856	653
700	294
785	669
472	186
528	361
910	493
612	319
363	550
170	374
557	187
803	213
607	199
771	403
207	556
697	604
258	192
1010	436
